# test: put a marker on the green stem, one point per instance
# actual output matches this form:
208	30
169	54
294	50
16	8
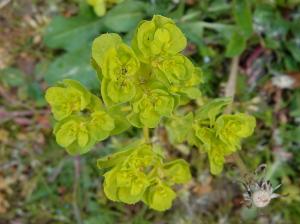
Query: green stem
275	166
230	91
76	208
146	134
231	83
240	163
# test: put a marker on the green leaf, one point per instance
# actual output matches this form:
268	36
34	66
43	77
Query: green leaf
100	125
12	77
236	45
73	65
205	135
231	128
163	37
179	11
295	28
119	116
193	31
125	16
243	16
269	21
212	109
177	171
134	120
72	134
72	33
131	185
159	197
216	161
116	158
115	92
102	44
36	93
192	92
294	49
295	105
272	43
179	127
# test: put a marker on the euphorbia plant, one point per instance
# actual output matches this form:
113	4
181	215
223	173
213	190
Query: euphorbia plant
143	86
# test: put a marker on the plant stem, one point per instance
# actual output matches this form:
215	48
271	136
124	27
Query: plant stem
75	189
240	163
146	134
231	83
275	166
230	92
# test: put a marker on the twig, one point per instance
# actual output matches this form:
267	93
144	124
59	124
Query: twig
75	189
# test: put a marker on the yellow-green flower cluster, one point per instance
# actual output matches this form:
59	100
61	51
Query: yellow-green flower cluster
219	135
101	6
81	120
152	76
139	174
